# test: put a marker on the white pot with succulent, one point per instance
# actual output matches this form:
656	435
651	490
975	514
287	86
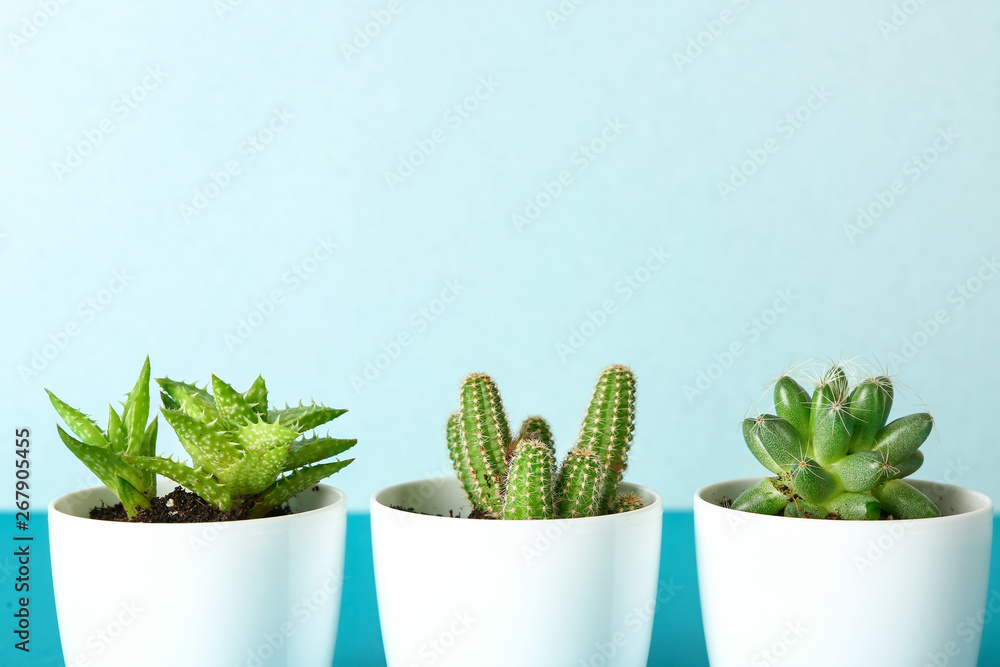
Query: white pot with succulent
254	579
514	562
837	560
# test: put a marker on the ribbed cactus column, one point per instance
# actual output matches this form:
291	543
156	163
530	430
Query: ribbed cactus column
608	426
507	478
530	492
580	490
485	436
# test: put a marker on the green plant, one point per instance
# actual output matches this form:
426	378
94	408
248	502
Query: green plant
834	454
107	452
243	451
508	477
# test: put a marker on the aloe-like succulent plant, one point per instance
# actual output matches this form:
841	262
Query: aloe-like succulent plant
242	450
507	477
107	453
834	454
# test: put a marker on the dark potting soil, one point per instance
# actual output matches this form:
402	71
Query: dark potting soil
475	514
179	506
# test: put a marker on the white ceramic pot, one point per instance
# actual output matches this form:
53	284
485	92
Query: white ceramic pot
226	594
553	593
815	593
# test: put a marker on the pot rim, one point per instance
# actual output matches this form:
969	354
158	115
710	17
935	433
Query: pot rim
986	503
655	506
339	500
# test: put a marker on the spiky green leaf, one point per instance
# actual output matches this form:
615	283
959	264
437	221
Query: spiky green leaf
295	483
304	417
197	480
80	424
107	465
233	408
312	450
136	410
189	399
210	449
256	471
262	435
256	398
117	439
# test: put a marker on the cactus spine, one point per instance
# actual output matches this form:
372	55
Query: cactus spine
834	454
516	478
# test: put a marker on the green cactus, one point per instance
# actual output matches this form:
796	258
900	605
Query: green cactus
243	451
107	452
515	478
834	454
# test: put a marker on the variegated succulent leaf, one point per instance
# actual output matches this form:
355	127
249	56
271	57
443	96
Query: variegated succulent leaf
297	482
136	410
256	398
189	399
196	480
253	473
312	450
304	418
234	411
207	443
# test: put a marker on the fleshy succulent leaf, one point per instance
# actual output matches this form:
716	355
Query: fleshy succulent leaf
255	471
136	410
189	399
291	485
233	408
312	450
209	448
80	424
197	480
104	463
117	440
256	398
263	435
304	417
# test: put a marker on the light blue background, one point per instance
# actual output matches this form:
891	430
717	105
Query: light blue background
190	280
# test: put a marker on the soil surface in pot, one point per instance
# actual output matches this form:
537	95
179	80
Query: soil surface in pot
475	514
179	506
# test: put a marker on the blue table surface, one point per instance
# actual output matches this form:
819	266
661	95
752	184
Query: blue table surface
678	640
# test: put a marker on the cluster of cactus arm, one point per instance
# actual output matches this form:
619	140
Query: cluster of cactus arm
835	455
241	449
508	477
